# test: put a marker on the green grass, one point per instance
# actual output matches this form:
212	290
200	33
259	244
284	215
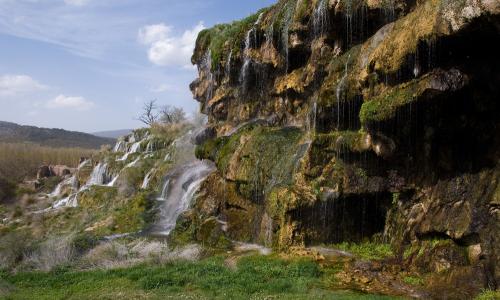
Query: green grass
367	250
256	278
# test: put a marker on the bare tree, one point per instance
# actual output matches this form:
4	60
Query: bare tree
149	114
172	115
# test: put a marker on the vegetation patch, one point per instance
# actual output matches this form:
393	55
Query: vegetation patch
254	277
367	250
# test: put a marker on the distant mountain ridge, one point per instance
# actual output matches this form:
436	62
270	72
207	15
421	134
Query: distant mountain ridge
15	133
115	134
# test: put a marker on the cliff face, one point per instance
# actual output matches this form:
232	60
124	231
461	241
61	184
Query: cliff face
351	120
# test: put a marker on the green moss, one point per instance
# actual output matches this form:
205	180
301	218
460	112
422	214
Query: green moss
488	295
131	217
340	140
223	38
413	280
97	196
385	106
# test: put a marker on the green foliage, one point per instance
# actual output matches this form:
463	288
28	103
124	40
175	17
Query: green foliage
488	295
223	38
131	216
413	280
83	242
97	196
367	250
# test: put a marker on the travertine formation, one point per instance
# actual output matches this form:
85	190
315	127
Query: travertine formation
350	120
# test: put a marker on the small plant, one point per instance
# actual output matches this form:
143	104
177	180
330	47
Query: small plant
413	280
367	250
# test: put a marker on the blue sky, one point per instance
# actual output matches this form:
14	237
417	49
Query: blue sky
88	65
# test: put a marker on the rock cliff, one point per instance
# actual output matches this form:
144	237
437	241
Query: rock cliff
352	120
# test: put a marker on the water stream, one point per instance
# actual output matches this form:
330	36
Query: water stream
320	18
180	186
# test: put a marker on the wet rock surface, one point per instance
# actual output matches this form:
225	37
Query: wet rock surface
381	123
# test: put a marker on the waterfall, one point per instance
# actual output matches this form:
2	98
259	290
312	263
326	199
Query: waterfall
228	64
113	181
98	176
252	32
57	191
70	201
320	18
120	146
147	178
178	192
270	35
348	20
150	147
206	68
341	88
247	59
285	30
136	147
132	164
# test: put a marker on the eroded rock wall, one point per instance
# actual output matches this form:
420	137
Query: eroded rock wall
351	120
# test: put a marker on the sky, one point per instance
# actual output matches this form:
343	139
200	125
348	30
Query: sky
89	65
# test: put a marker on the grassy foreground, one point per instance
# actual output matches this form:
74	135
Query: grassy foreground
255	277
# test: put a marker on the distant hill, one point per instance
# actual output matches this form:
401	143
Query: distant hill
113	133
14	133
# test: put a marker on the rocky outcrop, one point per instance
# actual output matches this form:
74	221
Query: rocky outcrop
56	170
351	120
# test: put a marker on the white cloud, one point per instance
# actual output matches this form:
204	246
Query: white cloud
77	103
162	88
166	49
13	85
77	2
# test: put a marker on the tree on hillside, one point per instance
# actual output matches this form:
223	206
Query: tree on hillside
172	115
149	114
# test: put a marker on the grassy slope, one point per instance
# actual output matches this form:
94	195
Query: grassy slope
255	278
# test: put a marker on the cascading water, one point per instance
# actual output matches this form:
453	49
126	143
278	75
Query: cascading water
228	64
348	21
247	60
285	32
341	88
99	175
206	68
181	184
120	146
147	178
178	191
320	18
136	147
